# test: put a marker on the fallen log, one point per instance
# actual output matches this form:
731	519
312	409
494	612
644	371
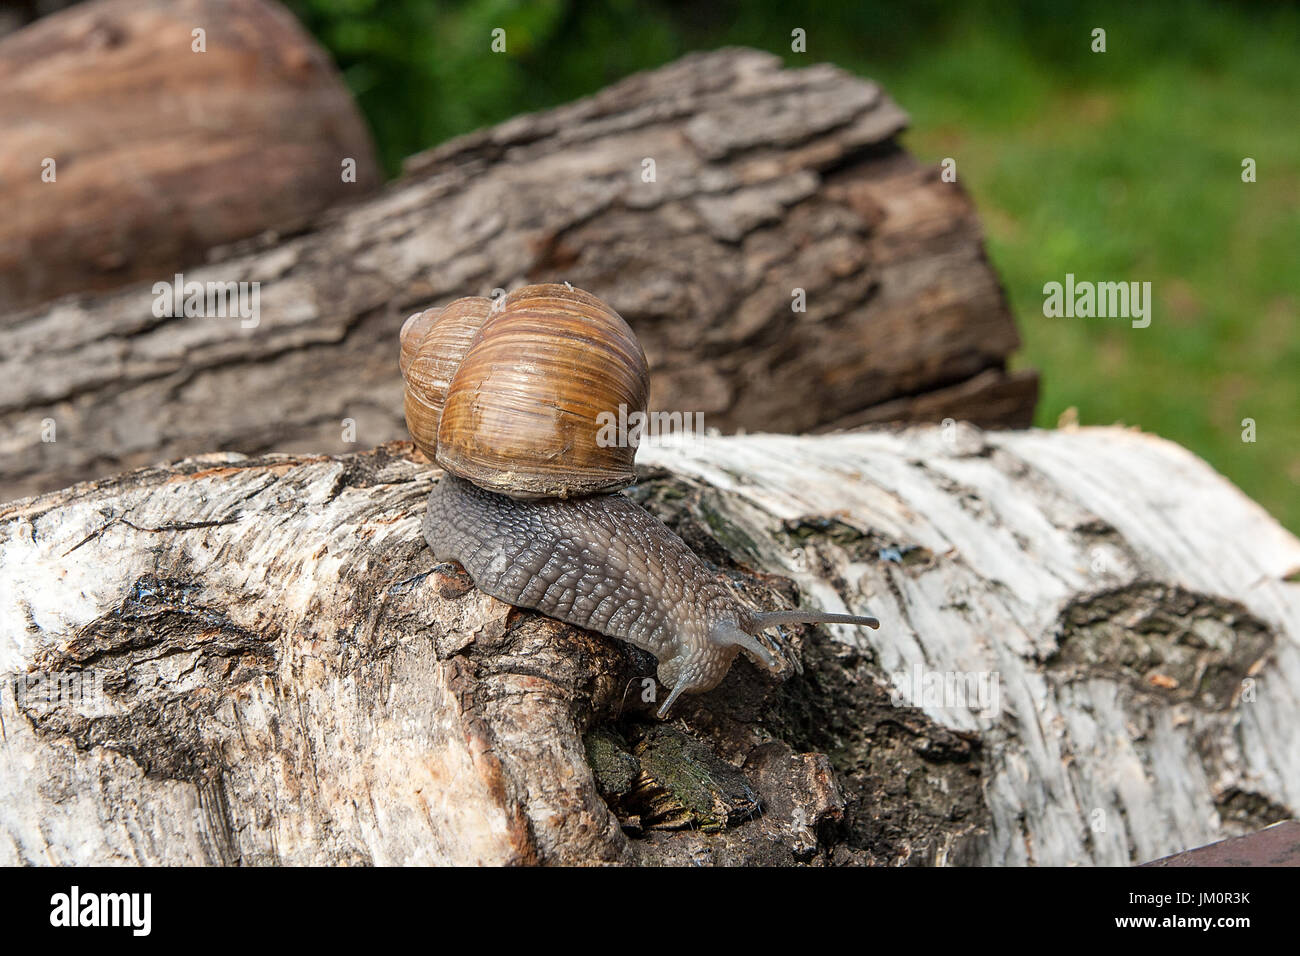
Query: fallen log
1088	654
758	227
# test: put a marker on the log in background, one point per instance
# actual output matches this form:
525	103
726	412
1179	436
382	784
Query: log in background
767	180
163	152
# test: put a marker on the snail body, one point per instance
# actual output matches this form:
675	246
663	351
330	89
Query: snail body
542	530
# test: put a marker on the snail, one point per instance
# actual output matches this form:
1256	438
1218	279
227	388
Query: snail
506	399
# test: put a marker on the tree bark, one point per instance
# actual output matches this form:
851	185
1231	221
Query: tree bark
162	145
278	672
771	189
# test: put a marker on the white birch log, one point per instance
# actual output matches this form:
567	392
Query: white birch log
274	670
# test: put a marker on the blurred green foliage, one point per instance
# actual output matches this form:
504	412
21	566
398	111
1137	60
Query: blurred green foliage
1123	165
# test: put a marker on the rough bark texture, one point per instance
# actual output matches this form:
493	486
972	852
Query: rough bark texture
287	676
766	181
18	13
162	152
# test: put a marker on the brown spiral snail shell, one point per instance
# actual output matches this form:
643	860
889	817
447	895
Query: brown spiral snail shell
508	399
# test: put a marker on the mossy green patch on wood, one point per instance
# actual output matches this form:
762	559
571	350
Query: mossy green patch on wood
614	767
685	784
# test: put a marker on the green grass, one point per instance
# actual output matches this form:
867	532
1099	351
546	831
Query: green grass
1127	166
1115	166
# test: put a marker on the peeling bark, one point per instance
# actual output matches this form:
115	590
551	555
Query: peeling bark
767	181
286	676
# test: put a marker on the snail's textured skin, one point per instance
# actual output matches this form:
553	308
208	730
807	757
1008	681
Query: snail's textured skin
603	563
